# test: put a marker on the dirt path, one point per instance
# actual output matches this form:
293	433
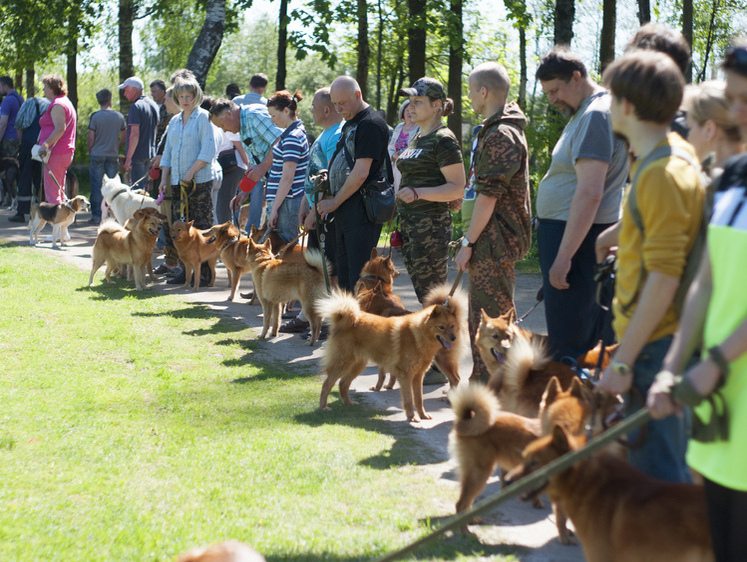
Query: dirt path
514	528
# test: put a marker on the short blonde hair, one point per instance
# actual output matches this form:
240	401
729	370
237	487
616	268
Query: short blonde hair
187	85
707	102
55	83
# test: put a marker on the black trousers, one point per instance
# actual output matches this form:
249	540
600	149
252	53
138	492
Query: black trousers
727	517
29	180
355	237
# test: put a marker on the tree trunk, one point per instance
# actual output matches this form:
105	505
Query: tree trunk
607	40
565	13
644	11
687	32
282	44
127	9
364	51
30	87
72	56
395	84
455	70
522	68
380	42
416	39
208	42
709	42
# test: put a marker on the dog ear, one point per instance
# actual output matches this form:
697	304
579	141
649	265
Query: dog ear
161	216
374	253
139	214
560	439
190	224
436	312
577	388
552	390
485	317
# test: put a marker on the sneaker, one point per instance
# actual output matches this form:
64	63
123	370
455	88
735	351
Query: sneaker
177	271
247	296
294	326
433	377
163	269
17	218
178	279
322	334
94	222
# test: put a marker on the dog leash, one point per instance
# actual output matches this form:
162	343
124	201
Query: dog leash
540	297
528	483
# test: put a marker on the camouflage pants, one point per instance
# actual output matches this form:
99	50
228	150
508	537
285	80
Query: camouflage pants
9	148
170	255
425	249
491	288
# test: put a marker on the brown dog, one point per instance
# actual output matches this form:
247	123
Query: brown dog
118	245
227	551
276	281
194	249
621	514
233	252
60	216
403	345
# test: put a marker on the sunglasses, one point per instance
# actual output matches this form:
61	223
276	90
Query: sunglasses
736	59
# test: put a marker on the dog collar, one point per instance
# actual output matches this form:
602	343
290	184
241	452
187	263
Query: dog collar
232	240
118	193
373	278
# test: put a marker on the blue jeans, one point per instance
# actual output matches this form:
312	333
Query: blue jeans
99	166
575	322
662	453
256	204
287	225
140	167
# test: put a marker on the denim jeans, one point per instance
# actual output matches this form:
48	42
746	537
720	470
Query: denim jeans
256	204
140	168
287	224
99	166
662	453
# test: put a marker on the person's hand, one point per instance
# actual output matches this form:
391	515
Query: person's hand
614	383
43	151
605	245
326	206
162	188
302	214
407	194
187	177
254	173
272	220
704	376
659	400
156	162
456	204
559	273
463	257
128	164
238	200
309	222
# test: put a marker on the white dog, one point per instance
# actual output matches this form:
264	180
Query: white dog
122	201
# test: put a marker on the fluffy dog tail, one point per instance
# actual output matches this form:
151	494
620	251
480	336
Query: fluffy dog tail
523	356
340	308
314	259
110	225
475	408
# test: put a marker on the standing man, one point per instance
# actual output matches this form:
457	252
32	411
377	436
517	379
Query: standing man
8	111
499	234
329	120
257	86
577	199
365	137
142	124
158	93
106	135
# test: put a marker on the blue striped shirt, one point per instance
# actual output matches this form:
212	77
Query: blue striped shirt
258	132
293	146
187	143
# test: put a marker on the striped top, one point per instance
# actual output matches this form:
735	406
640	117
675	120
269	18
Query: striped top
293	146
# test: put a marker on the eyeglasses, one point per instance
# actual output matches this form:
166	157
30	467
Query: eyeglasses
736	59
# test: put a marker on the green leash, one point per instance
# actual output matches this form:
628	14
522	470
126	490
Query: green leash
528	483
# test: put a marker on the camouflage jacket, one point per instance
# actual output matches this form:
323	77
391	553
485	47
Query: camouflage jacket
501	170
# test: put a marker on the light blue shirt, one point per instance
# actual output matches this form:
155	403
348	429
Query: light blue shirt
321	153
187	143
257	126
249	99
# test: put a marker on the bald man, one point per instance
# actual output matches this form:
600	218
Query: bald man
499	233
360	158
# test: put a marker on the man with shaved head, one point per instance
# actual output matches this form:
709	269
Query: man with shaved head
499	233
361	157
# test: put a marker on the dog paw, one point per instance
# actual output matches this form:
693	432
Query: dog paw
325	408
374	388
568	538
537	503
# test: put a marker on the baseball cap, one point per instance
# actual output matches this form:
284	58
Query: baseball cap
133	81
425	87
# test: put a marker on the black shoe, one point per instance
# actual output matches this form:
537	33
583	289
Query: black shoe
204	281
294	326
177	279
290	314
247	296
163	269
176	272
93	221
322	334
17	218
433	376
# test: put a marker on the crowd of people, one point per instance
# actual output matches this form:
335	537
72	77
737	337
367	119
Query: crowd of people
631	130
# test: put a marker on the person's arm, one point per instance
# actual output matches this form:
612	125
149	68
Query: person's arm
655	299
58	119
165	177
452	189
3	124
284	186
132	145
484	207
238	145
353	183
586	199
122	137
607	242
91	137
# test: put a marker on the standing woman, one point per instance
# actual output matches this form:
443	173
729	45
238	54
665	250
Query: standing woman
57	138
186	162
401	137
290	158
432	176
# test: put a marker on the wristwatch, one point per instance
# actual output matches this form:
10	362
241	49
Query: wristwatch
620	368
466	243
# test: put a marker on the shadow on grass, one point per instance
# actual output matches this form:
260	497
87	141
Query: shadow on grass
120	289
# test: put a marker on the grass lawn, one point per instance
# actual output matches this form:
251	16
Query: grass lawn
135	426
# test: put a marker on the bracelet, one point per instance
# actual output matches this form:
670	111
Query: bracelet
717	356
415	193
